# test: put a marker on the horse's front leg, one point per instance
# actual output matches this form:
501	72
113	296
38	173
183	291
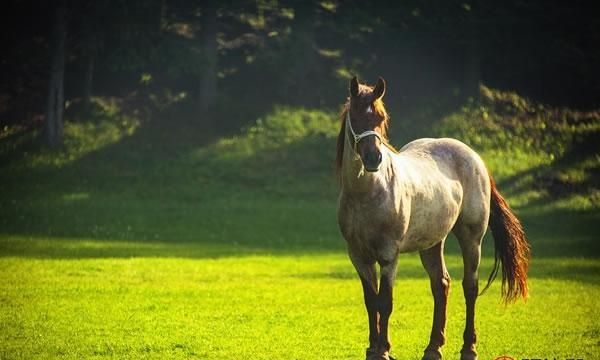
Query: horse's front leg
433	261
385	306
368	277
370	297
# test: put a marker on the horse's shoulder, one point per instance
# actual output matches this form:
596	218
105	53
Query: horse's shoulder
416	144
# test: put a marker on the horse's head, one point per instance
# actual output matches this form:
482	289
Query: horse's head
366	121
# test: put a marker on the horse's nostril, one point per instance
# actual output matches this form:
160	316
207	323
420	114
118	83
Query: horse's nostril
372	159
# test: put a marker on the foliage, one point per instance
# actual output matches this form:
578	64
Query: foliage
81	138
540	151
302	53
504	120
288	147
286	125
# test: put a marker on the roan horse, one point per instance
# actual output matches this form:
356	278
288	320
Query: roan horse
410	200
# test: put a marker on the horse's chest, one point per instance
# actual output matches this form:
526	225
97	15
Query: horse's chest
371	230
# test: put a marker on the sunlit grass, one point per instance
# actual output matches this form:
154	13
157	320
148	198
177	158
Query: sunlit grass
506	162
281	127
265	307
288	148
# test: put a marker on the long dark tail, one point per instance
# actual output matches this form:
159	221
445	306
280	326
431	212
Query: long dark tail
512	248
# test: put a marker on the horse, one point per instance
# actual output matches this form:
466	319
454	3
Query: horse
396	201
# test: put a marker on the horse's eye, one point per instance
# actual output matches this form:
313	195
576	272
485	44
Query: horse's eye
369	109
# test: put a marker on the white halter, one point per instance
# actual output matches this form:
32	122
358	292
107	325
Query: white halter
361	136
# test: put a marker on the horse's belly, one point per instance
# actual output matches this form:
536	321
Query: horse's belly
429	224
412	243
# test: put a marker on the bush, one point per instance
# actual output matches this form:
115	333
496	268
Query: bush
288	147
542	152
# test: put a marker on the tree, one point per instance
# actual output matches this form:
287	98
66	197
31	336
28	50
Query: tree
89	53
53	130
303	51
95	18
208	75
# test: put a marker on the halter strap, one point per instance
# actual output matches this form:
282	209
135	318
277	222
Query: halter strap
360	136
363	135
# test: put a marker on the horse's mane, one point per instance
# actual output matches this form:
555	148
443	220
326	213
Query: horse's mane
379	109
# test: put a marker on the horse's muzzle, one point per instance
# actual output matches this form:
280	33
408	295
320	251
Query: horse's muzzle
372	161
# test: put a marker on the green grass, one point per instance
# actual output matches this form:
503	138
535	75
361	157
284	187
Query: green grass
265	307
139	240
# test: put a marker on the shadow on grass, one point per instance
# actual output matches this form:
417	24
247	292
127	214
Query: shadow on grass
575	172
61	248
244	224
577	270
564	244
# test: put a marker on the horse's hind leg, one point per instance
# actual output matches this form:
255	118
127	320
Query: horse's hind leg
433	261
469	237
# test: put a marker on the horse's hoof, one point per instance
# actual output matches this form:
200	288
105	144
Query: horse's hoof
431	354
468	354
373	354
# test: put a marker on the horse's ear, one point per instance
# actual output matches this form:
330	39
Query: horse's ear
354	87
379	90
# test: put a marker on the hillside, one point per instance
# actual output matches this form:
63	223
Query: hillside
126	177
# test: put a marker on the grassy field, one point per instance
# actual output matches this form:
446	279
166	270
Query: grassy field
140	241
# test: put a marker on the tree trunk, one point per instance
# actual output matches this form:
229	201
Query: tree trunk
208	77
55	107
472	71
472	56
88	79
303	58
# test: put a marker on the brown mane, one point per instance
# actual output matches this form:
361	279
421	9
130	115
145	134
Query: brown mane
379	108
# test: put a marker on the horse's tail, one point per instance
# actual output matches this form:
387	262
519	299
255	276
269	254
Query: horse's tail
512	248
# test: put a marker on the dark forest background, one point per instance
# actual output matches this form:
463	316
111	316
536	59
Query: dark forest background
223	63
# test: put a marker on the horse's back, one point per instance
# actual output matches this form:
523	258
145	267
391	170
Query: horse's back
441	147
449	155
